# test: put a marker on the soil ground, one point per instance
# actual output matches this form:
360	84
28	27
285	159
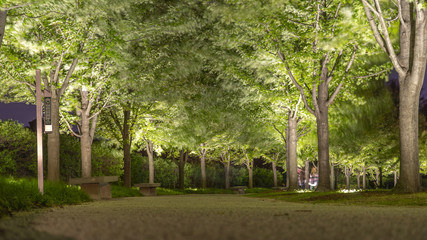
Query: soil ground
206	217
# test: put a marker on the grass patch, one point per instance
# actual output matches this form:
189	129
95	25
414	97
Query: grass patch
23	194
371	197
121	191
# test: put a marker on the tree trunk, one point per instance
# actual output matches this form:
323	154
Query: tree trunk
150	153
323	136
377	179
332	177
203	166
291	152
53	141
126	149
227	174
85	140
380	177
347	177
273	167
183	155
3	16
307	174
358	179
409	180
250	166
395	177
364	177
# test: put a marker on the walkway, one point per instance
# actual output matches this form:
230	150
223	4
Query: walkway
226	217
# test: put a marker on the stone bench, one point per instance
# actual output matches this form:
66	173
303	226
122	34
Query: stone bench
147	189
238	189
97	187
279	188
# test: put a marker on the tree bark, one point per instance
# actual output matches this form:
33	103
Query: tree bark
323	135
364	177
273	166
150	153
3	16
250	166
85	139
358	179
126	148
183	155
395	177
377	179
227	174
53	141
347	177
332	177
203	166
291	152
307	174
410	64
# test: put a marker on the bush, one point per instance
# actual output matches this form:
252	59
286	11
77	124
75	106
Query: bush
23	194
17	150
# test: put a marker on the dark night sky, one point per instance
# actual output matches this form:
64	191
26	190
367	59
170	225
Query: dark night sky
25	113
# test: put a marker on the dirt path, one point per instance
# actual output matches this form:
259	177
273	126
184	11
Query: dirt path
225	217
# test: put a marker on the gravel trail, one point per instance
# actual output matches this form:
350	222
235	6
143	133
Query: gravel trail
226	217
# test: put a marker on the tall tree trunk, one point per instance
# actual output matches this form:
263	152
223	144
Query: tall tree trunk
410	64
364	177
358	179
291	152
380	177
85	139
3	16
183	155
250	166
53	141
395	177
126	149
377	178
150	153
347	177
203	165
273	166
227	174
332	177
307	174
323	135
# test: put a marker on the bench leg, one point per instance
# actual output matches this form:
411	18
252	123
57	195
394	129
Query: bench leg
148	191
97	191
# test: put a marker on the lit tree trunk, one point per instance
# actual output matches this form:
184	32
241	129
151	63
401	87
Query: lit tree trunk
3	16
53	141
183	156
291	151
273	166
364	177
358	179
150	153
347	176
126	149
377	179
410	64
203	165
395	177
307	174
250	166
85	139
227	174
332	177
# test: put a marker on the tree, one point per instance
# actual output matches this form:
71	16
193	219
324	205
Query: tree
410	64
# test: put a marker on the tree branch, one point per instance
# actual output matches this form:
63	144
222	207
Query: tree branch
281	133
67	78
69	126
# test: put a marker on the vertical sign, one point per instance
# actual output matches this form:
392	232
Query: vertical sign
47	114
39	131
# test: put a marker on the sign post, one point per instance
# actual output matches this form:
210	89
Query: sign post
39	131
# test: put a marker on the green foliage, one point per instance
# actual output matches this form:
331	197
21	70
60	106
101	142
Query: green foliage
120	191
22	194
17	150
106	160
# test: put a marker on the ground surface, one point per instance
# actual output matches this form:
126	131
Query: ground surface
224	217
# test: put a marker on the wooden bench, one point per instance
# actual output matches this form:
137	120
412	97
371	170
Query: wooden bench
147	189
97	187
238	189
